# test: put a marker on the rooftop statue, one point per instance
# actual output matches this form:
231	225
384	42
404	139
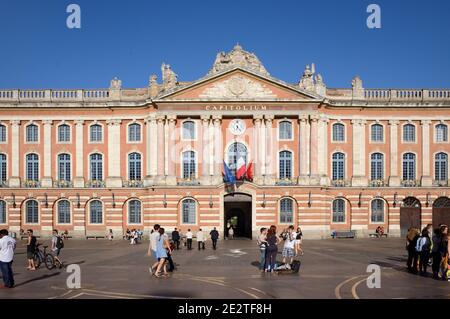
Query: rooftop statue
169	78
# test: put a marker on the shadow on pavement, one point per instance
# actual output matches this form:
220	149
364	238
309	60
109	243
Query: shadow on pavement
37	279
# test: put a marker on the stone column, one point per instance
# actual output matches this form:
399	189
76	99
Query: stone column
161	152
78	181
304	150
322	151
114	178
314	142
47	178
262	148
270	152
257	159
427	180
218	149
14	180
151	151
205	155
172	157
359	153
394	179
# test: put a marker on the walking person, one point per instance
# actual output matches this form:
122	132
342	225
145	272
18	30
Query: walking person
189	236
435	253
162	249
288	249
262	243
214	236
176	238
231	233
200	239
110	235
152	246
423	248
57	245
31	249
272	248
411	241
7	247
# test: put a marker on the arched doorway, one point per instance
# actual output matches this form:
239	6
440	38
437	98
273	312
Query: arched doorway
441	211
238	214
410	214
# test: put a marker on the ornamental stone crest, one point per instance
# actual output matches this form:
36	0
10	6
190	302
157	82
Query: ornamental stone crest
238	87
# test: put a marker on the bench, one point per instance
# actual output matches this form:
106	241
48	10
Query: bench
372	235
95	237
343	234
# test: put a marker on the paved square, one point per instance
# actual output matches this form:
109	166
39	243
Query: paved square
330	269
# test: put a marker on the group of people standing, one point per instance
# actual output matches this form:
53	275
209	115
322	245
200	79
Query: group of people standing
268	244
178	237
429	247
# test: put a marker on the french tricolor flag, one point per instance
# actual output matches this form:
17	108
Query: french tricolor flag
240	168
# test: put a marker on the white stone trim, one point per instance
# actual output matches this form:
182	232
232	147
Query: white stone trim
127	132
63	122
31	122
278	122
56	212
95	122
182	138
180	154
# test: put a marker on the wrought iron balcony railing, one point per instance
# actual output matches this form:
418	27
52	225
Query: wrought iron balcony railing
440	183
95	183
188	182
285	181
31	183
340	183
3	184
377	183
62	184
133	183
410	183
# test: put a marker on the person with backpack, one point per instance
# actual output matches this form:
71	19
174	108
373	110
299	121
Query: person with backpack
411	241
57	245
423	249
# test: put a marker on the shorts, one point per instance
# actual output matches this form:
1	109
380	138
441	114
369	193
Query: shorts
30	254
56	252
288	252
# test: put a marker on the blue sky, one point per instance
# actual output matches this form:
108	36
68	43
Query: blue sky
130	39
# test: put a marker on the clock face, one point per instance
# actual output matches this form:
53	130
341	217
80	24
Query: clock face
237	127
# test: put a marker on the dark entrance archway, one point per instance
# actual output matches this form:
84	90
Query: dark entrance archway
441	211
410	215
238	214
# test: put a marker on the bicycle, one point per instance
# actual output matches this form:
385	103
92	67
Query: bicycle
44	257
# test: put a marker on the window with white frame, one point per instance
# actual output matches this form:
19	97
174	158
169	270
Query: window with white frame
134	167
376	166
409	166
64	133
441	133
285	165
188	130
63	212
441	167
134	212
338	211
377	134
134	132
409	133
188	165
96	212
188	211
2	133
285	130
2	212
96	166
338	166
3	170
32	133
64	173
377	211
32	212
95	133
286	211
338	132
32	163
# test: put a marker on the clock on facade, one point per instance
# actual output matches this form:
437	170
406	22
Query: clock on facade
237	127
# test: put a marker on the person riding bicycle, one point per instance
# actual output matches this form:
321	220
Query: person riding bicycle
57	245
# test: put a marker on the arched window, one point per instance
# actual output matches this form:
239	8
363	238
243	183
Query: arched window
134	212
285	165
188	130
377	133
338	211
338	166
134	167
409	167
409	133
96	166
64	133
32	167
134	132
188	165
377	211
338	132
63	212
95	133
3	170
2	212
32	133
64	167
32	212
2	133
286	211
188	211
376	166
441	167
285	130
96	212
441	133
235	152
